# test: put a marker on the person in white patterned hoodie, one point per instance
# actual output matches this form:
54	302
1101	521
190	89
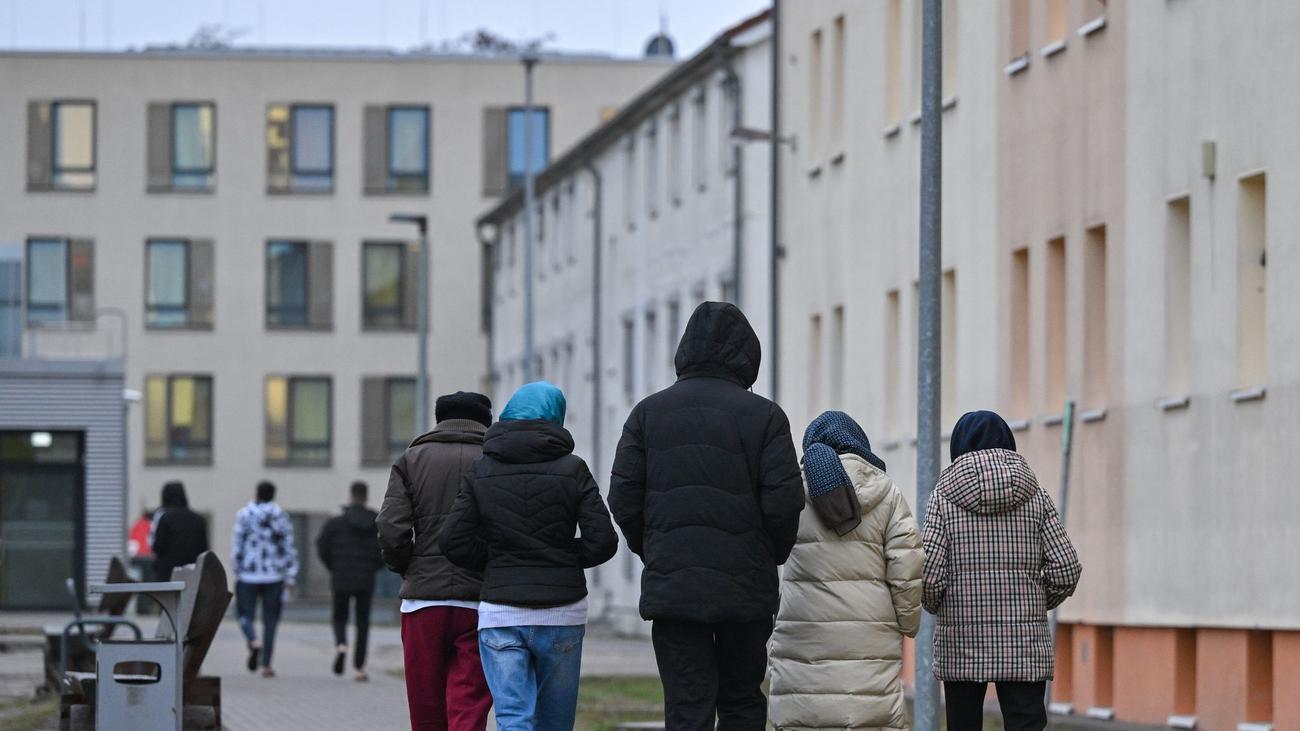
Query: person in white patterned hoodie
266	568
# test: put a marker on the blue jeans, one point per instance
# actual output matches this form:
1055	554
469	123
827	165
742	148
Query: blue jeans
533	675
246	598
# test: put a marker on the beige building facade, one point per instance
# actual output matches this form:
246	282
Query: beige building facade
1113	236
233	207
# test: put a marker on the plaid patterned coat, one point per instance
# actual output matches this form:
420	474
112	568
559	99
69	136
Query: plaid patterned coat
997	559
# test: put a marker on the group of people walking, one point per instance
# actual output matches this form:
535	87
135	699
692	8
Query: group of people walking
491	526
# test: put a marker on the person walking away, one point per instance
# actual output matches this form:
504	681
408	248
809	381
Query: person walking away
445	687
707	491
850	591
266	567
997	559
514	519
349	549
179	534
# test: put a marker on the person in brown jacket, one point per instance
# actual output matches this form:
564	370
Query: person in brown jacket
445	686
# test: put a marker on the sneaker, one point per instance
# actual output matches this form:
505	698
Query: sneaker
254	653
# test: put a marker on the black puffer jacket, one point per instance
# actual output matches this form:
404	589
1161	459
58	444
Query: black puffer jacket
349	548
516	515
706	485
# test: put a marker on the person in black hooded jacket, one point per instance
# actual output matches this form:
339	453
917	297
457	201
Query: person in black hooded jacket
707	490
179	534
348	545
514	519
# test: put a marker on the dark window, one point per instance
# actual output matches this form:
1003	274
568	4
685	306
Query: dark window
387	296
178	419
540	149
286	284
408	148
298	420
311	147
193	145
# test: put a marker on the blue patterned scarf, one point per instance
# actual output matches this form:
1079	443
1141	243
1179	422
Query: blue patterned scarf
827	437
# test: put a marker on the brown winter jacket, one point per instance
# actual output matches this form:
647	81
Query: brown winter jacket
421	490
996	560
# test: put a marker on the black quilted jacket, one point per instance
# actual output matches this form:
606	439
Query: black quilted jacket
706	486
515	518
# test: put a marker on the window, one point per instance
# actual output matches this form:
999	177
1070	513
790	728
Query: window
1095	338
300	148
815	95
650	373
60	281
629	359
298	420
1018	30
948	365
652	171
1055	336
894	62
524	153
838	52
629	182
1058	20
178	283
1251	280
1020	297
815	365
396	149
893	352
1178	296
674	335
675	152
181	149
837	357
388	406
61	145
389	286
699	139
726	121
299	287
11	301
178	419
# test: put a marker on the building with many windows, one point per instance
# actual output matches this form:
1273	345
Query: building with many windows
662	207
1112	236
234	206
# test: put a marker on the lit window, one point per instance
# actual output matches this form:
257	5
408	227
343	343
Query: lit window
389	289
178	419
74	145
298	420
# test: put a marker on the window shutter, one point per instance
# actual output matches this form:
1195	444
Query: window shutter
496	180
81	280
410	285
374	439
375	146
201	295
40	166
320	285
158	166
278	176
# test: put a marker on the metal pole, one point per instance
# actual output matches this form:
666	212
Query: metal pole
1067	446
928	391
422	324
529	61
774	205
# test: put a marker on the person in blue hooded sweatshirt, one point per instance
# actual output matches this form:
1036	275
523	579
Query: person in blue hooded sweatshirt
514	520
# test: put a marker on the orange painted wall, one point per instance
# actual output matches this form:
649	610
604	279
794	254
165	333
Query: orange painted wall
1155	673
1063	683
1093	672
1234	678
1286	680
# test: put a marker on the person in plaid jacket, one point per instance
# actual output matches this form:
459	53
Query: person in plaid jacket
997	559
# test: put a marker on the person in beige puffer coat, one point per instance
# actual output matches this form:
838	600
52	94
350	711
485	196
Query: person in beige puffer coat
850	592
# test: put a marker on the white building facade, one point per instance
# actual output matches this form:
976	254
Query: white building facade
661	208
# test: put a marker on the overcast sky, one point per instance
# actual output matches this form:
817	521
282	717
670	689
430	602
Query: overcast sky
620	27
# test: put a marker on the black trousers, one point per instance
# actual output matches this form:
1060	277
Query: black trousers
713	671
1023	705
362	601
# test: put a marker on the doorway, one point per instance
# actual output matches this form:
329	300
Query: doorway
42	526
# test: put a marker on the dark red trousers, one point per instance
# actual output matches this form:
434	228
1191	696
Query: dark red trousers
445	687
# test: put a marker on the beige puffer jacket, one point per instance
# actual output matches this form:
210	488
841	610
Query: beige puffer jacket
846	603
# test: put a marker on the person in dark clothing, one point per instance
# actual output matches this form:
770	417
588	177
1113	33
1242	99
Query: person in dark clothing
514	520
445	687
349	549
707	491
179	534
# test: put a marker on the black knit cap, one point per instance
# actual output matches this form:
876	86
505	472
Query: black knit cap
464	405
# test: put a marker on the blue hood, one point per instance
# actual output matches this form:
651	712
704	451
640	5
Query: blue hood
538	400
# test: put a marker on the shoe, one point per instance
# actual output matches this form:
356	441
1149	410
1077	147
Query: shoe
254	654
340	656
268	673
362	677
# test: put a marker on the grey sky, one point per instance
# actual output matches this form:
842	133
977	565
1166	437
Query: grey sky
616	26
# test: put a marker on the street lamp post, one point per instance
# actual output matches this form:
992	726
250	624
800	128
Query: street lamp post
422	318
529	60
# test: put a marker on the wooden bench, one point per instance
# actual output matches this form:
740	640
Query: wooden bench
202	606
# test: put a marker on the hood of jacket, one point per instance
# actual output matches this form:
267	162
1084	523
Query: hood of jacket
261	512
528	441
359	517
988	481
720	343
870	482
462	431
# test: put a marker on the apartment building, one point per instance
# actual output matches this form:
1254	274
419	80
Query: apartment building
232	209
662	207
1110	194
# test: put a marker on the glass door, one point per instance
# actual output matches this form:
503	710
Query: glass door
41	507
